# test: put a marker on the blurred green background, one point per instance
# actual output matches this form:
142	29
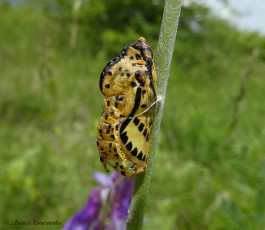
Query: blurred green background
209	169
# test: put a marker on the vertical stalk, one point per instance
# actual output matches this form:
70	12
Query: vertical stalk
239	99
163	59
74	27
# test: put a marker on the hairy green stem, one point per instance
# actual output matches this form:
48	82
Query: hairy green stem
163	61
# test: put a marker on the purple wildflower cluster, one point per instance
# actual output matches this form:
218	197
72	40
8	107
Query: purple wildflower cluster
107	206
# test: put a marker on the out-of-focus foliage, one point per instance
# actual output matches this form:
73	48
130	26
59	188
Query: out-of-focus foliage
212	177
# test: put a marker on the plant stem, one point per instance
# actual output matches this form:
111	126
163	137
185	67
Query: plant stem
238	104
163	61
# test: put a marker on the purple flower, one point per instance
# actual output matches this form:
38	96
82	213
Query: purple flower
103	179
122	198
107	207
88	215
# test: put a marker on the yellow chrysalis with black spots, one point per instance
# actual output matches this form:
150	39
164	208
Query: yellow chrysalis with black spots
128	83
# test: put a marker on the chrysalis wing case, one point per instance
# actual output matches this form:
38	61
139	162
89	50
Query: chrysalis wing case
128	83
